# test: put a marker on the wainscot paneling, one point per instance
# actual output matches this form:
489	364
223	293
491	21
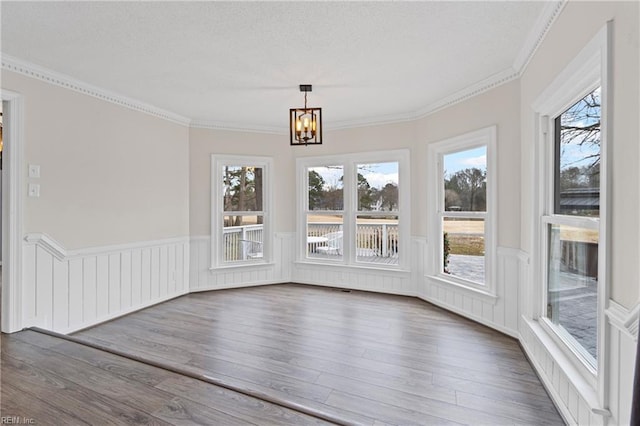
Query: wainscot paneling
380	280
277	269
623	335
499	311
575	398
67	290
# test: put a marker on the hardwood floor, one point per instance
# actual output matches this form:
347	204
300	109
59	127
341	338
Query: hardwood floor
49	381
364	358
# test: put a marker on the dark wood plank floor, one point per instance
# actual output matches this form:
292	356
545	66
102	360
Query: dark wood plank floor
363	357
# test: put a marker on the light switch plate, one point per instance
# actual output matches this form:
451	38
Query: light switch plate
34	171
34	190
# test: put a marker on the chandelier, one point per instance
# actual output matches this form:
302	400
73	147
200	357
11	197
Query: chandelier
305	124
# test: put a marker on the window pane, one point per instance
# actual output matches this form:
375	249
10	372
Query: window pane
572	283
465	180
326	187
378	186
577	165
463	248
243	189
242	238
377	239
324	236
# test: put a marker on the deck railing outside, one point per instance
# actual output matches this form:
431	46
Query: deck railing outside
233	237
372	239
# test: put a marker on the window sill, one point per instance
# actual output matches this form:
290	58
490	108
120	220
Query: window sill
243	266
485	294
573	354
572	368
393	270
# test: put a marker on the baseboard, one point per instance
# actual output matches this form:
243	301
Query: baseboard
123	313
471	316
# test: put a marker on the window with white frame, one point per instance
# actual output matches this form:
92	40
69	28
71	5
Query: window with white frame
240	209
571	161
462	210
355	208
571	225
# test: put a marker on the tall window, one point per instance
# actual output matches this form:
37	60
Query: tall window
570	251
464	213
462	210
572	225
352	208
325	212
376	236
240	216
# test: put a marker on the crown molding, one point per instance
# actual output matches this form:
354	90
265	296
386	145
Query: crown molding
533	41
235	127
537	34
28	69
469	92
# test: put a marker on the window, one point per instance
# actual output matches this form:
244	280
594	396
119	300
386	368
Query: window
464	213
240	207
325	212
462	209
571	226
570	249
352	209
377	213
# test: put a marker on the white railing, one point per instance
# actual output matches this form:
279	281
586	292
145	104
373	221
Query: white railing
372	239
377	239
234	239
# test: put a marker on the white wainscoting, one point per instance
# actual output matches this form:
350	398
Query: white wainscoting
67	290
576	399
499	312
572	394
362	278
203	278
623	337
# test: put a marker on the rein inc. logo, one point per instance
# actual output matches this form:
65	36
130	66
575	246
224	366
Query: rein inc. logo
16	420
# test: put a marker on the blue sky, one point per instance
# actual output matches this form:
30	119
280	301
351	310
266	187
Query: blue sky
461	160
377	174
572	154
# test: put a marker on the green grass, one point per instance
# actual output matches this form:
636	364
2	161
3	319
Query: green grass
472	245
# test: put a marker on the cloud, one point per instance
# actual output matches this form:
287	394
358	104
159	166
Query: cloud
379	180
479	162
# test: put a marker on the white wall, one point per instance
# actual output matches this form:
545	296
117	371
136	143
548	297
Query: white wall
109	175
575	395
498	107
574	28
112	217
204	142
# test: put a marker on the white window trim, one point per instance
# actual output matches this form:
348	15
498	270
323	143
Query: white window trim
217	209
350	162
436	151
588	70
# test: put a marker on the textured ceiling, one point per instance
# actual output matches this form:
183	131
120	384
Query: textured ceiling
238	64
